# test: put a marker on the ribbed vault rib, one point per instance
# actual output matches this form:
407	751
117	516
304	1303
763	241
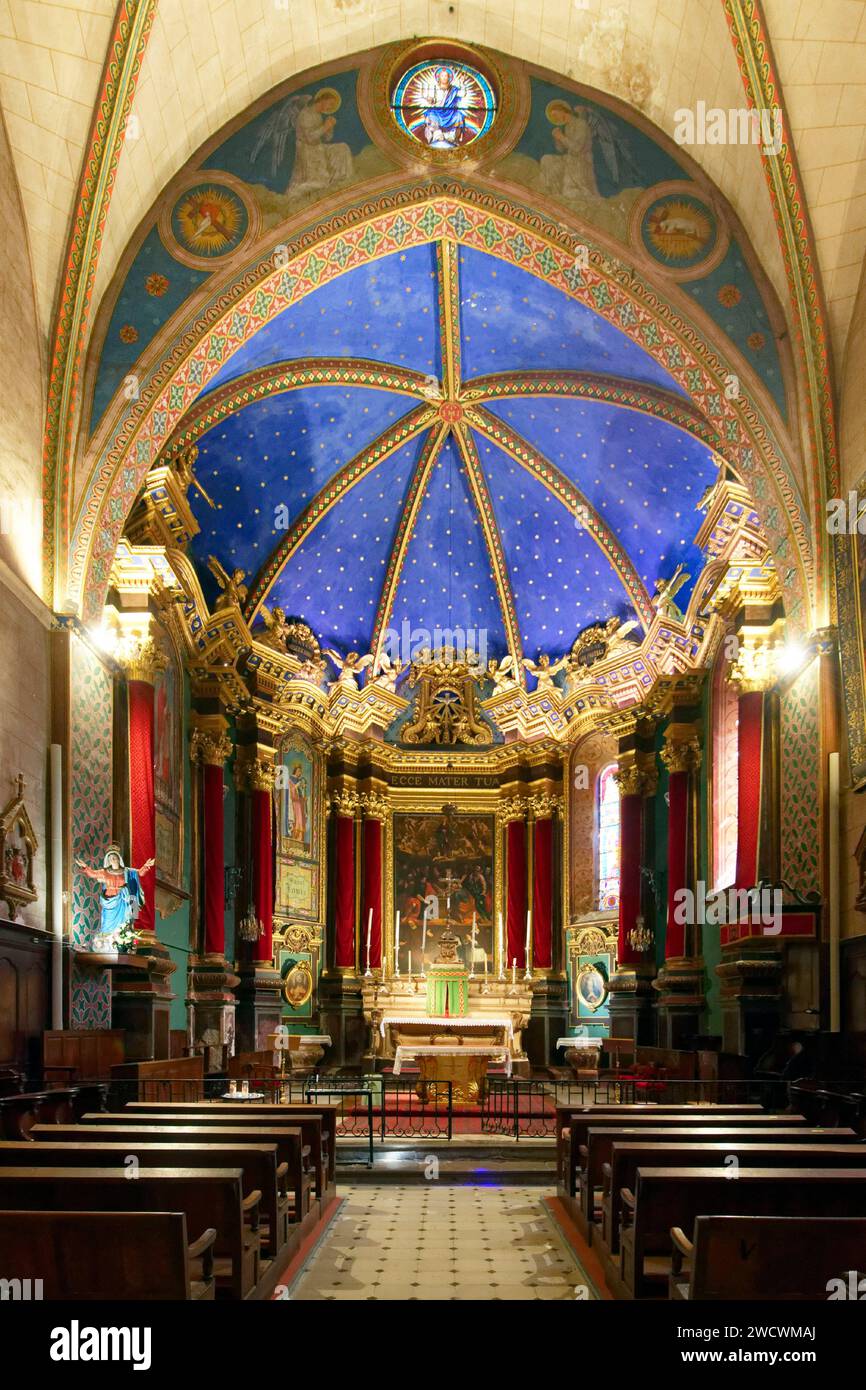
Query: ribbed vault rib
411	506
359	467
281	377
591	386
561	487
448	288
493	540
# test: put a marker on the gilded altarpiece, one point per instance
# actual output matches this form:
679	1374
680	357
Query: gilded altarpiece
444	870
300	878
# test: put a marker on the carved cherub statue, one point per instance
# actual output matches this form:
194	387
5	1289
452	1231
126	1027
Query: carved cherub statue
349	667
312	670
544	671
276	628
615	633
665	592
501	673
389	672
234	590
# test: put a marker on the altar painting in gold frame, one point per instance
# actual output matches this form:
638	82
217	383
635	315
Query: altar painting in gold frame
437	857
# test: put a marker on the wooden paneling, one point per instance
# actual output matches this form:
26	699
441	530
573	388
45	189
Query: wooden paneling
24	995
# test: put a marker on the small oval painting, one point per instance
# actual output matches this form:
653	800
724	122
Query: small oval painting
591	987
209	220
680	231
444	106
298	984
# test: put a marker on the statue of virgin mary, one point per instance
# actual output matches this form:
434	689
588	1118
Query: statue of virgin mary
121	899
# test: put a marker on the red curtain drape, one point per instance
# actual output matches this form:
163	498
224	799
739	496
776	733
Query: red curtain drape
750	773
630	836
214	861
263	872
515	930
678	823
142	807
372	893
542	895
344	891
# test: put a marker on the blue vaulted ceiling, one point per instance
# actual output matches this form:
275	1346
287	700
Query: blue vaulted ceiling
281	452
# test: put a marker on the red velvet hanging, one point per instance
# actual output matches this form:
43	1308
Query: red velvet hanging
515	851
214	861
750	774
142	807
630	835
542	895
678	849
372	893
263	872
344	892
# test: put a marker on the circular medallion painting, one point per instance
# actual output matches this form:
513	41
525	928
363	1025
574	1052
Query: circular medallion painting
679	231
591	987
445	105
208	221
297	984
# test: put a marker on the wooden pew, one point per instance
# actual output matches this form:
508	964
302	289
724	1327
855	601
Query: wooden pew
580	1124
96	1256
257	1162
318	1128
565	1112
209	1198
595	1154
171	1078
795	1149
668	1197
328	1112
755	1258
287	1138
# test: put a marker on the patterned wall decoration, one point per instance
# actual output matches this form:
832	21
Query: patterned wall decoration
90	809
800	783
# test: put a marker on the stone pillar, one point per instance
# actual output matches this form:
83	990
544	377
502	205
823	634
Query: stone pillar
211	980
681	980
259	1010
141	997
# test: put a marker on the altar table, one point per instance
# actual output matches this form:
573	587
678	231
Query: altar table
465	1067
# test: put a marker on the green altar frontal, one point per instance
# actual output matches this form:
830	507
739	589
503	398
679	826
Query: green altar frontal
447	990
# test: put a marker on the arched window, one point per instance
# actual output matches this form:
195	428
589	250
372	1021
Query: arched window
724	776
607	863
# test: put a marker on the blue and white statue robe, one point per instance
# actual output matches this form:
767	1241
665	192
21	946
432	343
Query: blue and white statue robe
117	911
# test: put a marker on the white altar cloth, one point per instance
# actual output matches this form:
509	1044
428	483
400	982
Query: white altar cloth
405	1051
479	1021
580	1042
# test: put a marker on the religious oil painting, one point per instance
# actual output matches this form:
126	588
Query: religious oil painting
298	792
444	877
444	105
591	983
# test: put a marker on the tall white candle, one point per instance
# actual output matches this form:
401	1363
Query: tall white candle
501	944
410	962
528	935
397	946
514	971
424	931
485	965
369	928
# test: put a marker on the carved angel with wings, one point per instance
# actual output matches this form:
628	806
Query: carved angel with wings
276	628
501	673
389	672
349	667
665	592
544	671
234	589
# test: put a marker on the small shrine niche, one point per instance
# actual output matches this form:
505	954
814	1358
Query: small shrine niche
18	847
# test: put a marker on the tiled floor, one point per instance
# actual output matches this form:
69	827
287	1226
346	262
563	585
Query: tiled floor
443	1242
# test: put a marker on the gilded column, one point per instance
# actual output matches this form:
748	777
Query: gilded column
259	1009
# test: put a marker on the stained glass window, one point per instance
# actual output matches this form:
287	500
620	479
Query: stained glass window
608	839
444	105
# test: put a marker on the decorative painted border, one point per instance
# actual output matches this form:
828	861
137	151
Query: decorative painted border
415	217
114	103
763	91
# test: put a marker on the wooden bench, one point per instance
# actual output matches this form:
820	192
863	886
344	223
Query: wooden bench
96	1256
314	1127
328	1112
579	1126
595	1154
171	1078
287	1139
258	1163
755	1258
565	1112
209	1198
668	1197
794	1149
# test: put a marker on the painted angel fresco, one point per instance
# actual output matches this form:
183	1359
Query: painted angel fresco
320	163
